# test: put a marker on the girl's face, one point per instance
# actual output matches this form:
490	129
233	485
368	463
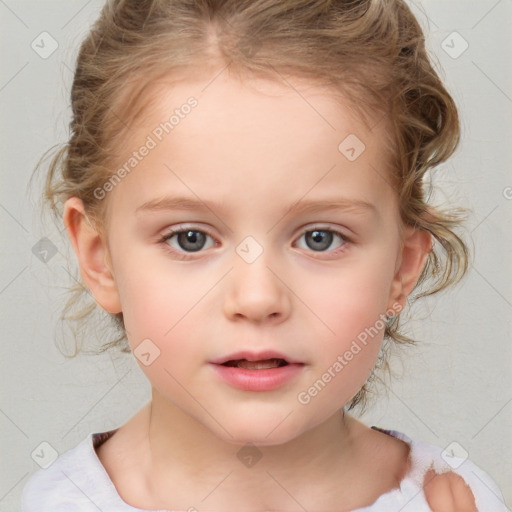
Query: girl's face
291	244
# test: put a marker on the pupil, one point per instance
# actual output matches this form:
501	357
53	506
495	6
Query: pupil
317	236
191	240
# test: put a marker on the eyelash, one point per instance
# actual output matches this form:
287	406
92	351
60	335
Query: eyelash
180	255
186	256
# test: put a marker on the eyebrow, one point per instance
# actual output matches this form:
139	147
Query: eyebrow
311	206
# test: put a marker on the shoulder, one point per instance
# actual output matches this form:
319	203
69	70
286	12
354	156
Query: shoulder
63	484
448	492
441	481
452	483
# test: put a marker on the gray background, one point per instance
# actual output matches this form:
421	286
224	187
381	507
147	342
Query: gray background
455	386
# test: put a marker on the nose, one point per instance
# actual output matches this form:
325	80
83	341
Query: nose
256	293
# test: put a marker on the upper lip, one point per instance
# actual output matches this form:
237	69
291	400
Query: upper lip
255	356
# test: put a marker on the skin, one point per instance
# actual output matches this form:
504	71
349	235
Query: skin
255	150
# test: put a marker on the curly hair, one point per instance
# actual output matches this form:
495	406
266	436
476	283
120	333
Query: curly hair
371	51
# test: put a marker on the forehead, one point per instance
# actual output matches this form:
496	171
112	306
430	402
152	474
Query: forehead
254	136
253	98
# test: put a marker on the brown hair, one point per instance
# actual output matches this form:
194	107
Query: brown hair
372	51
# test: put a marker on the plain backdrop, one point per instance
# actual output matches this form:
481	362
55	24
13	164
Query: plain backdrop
455	386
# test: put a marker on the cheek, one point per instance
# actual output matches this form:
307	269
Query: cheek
348	331
162	312
156	298
166	316
350	298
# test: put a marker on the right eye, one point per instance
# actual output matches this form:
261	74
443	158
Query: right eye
186	240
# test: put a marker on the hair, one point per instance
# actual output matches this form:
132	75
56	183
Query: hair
371	51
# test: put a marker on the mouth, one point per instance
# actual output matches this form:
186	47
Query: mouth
256	365
262	371
257	360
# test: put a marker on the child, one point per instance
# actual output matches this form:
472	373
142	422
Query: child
216	147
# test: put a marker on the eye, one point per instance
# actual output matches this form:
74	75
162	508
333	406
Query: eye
320	239
186	240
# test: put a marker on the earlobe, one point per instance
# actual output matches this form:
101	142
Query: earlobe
417	244
92	253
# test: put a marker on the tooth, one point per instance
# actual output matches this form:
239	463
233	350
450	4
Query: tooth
258	365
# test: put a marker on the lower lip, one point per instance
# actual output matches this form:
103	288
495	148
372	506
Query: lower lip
266	379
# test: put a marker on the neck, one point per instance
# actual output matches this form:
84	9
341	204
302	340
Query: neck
189	466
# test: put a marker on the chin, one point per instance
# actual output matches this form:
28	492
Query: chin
259	433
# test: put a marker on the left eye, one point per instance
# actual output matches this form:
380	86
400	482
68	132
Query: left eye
321	239
188	240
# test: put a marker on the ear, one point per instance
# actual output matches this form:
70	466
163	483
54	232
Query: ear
92	253
416	246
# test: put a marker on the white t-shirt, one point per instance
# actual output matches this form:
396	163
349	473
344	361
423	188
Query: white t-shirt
78	482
